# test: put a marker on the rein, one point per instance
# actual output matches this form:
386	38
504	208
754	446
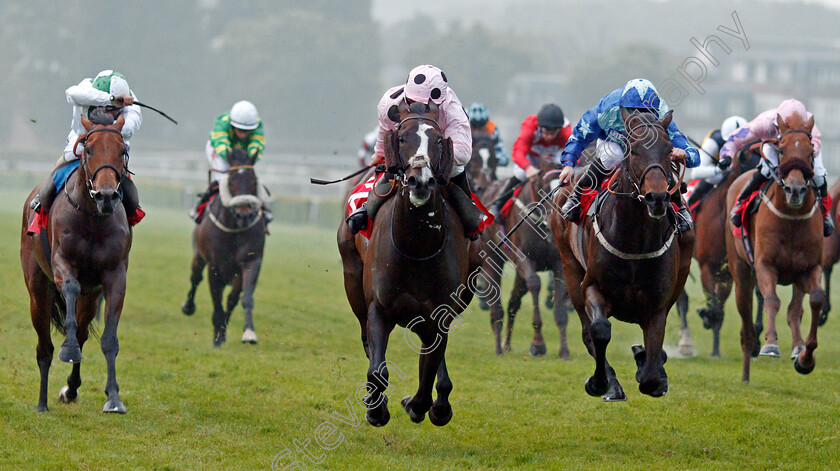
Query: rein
89	177
397	247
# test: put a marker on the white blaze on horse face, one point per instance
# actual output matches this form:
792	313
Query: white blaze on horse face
484	154
421	160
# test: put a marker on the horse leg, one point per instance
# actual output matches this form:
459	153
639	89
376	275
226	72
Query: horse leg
114	290
520	287
794	320
89	305
533	283
805	362
377	378
353	285
712	312
766	279
249	282
494	288
686	346
600	332
650	371
441	412
759	320
434	347
827	304
561	315
41	298
217	286
742	272
549	296
196	273
70	352
721	294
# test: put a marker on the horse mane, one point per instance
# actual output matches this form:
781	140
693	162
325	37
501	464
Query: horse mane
238	157
796	164
100	115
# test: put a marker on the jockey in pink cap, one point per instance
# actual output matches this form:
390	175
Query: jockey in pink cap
425	83
764	126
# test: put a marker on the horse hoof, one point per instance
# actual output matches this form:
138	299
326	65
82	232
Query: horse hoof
770	350
114	405
594	389
70	354
654	388
796	351
440	419
188	308
564	354
42	408
219	339
537	349
249	336
416	418
482	304
716	355
64	398
802	369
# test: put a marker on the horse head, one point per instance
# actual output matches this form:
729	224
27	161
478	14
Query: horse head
483	163
418	151
239	188
104	149
796	157
648	147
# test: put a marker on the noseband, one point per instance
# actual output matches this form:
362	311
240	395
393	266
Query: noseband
91	176
637	181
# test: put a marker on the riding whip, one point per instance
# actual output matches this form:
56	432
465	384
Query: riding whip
143	105
318	181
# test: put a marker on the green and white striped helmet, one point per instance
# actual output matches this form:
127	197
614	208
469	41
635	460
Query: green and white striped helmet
111	82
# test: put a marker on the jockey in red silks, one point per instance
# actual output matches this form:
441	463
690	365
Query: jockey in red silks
541	134
108	91
425	83
764	126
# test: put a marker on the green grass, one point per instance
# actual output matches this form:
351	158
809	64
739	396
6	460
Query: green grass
191	406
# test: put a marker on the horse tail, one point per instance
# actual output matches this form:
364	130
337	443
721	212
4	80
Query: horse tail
59	311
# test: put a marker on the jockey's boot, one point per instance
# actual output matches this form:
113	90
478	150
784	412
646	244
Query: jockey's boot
131	201
461	200
684	220
590	181
495	208
700	190
203	198
377	195
828	221
753	185
44	198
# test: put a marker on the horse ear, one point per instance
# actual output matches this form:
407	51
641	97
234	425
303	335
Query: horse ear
392	151
809	125
432	108
120	122
783	126
86	122
446	160
666	120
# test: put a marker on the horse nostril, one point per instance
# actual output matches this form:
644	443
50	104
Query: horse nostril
411	182
98	196
649	199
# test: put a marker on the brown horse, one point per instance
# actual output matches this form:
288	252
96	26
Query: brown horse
831	253
82	255
628	262
230	241
482	166
413	271
531	248
786	239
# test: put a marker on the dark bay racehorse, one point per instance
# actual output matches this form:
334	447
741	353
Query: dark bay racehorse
629	263
229	241
532	249
831	253
413	272
482	166
81	256
786	239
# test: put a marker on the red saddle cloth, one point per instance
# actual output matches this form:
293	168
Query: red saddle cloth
588	197
203	207
43	221
825	205
507	207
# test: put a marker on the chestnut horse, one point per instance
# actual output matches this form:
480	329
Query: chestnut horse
531	248
786	239
628	263
413	271
831	253
83	256
230	240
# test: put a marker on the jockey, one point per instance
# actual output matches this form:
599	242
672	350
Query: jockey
365	153
480	121
426	82
240	128
108	90
764	126
711	169
604	122
544	133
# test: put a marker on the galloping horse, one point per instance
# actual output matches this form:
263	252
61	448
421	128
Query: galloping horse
627	261
413	271
786	239
230	239
82	255
831	253
532	250
482	166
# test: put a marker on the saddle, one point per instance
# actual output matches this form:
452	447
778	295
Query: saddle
747	207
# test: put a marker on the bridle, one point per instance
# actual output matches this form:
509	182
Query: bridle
84	158
403	166
635	181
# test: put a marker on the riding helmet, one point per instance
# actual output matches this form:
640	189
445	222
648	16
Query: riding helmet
730	124
243	115
551	116
640	93
426	82
478	114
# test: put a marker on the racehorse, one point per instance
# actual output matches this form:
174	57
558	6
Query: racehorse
786	240
831	253
710	250
82	254
629	263
230	241
532	249
413	271
482	166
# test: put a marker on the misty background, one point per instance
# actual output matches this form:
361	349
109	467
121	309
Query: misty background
316	68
